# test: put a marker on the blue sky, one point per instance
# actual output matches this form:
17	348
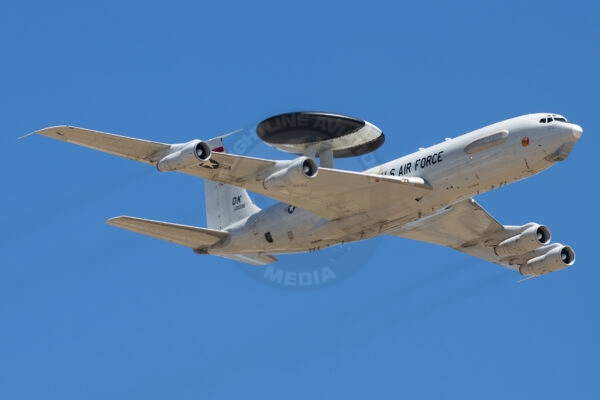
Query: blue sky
91	311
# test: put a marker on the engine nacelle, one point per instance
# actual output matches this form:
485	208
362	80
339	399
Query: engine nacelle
188	155
294	174
557	257
530	239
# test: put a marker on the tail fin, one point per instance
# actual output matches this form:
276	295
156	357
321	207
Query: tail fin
225	204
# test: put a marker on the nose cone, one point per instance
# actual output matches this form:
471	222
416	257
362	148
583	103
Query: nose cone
569	135
576	131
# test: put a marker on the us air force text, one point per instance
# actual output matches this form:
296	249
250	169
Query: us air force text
415	166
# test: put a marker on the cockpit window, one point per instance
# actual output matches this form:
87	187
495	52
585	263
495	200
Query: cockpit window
551	118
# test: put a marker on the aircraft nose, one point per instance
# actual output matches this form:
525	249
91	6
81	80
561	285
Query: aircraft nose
576	131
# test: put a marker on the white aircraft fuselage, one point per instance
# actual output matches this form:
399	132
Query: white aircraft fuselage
456	169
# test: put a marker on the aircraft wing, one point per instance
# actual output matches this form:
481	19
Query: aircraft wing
464	226
135	149
331	194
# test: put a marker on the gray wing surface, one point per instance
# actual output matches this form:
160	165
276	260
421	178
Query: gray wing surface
332	194
464	226
185	235
134	149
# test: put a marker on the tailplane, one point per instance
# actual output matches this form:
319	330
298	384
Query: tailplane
225	204
190	236
198	239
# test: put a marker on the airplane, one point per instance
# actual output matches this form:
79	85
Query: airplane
425	196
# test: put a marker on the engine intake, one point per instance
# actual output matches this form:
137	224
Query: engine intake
188	155
557	257
292	175
528	240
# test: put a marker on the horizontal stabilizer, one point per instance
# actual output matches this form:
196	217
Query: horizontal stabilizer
189	236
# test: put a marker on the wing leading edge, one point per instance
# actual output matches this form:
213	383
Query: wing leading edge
123	146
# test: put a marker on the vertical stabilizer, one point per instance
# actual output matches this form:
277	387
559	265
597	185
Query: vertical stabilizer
225	204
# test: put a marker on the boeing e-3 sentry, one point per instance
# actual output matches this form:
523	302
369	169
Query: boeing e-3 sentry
426	195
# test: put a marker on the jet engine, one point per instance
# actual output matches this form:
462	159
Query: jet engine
530	239
187	155
294	174
555	257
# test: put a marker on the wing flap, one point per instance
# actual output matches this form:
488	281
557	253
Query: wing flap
185	235
455	226
464	226
256	259
332	194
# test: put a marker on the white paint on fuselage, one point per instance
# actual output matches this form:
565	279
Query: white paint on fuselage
453	174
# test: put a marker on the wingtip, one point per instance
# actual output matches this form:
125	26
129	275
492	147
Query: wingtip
41	131
27	135
528	277
231	133
114	221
